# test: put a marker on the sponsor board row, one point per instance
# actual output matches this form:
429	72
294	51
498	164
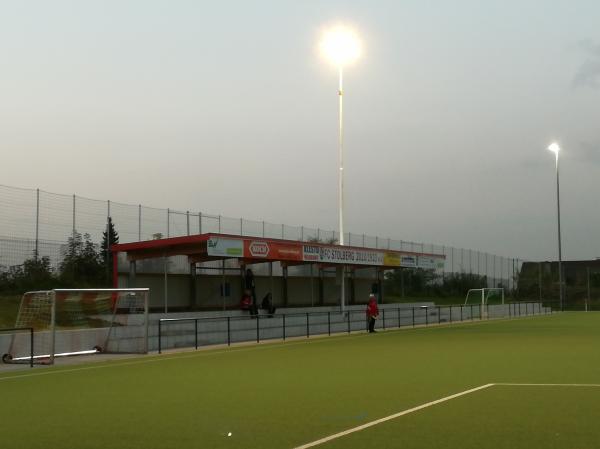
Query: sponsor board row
261	249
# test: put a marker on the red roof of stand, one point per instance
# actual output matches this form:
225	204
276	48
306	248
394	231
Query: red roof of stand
212	246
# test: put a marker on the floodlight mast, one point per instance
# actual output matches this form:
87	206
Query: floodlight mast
341	47
555	148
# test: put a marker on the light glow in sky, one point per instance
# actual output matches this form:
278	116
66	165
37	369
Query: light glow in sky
227	108
340	45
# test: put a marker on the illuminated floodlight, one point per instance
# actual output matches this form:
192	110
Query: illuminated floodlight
340	45
554	147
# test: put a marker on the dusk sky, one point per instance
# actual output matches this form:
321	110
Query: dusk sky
227	107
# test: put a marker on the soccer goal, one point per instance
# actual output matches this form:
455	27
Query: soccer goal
484	295
80	321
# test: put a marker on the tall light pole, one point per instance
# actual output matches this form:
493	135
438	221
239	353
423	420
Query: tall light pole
555	148
341	46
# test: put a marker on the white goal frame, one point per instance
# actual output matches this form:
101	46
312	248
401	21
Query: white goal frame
484	296
103	334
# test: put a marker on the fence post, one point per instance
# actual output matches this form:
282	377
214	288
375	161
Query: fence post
383	318
461	313
139	222
108	242
37	223
472	313
329	323
159	336
257	328
399	320
439	315
470	262
196	332
228	331
413	317
307	330
589	296
284	327
199	222
348	316
451	313
74	230
426	316
31	352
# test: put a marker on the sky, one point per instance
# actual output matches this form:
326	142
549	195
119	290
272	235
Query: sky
228	108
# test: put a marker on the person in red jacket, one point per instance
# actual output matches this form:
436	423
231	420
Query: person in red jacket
372	312
246	301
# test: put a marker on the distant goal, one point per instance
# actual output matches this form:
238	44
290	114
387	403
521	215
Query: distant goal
80	321
485	296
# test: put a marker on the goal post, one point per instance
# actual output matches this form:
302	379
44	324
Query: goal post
81	321
481	296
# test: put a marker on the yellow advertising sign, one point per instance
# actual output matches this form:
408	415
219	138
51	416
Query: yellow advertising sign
391	260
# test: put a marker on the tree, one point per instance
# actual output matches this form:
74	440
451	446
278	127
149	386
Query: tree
81	265
411	282
329	241
35	274
109	237
38	274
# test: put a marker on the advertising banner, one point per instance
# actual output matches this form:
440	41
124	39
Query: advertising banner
408	261
392	259
292	251
430	263
223	247
261	249
351	256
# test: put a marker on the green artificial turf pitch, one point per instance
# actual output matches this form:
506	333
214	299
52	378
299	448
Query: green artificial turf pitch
283	395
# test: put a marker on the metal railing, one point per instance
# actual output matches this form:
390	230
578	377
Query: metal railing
201	331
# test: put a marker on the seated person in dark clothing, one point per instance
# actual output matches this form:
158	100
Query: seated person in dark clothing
267	305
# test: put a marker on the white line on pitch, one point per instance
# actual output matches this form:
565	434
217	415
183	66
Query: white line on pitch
390	417
545	385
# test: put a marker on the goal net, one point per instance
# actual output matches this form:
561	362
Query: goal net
80	321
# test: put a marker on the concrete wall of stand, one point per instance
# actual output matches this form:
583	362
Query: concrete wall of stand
303	288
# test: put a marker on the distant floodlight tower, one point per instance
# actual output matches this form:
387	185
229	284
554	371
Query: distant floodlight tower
555	148
341	46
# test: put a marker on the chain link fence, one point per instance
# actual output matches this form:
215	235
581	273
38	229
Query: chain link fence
581	283
33	221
